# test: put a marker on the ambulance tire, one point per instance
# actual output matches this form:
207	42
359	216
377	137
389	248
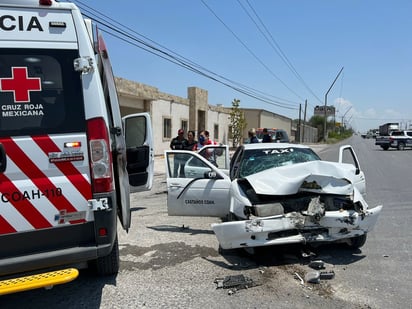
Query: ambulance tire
109	264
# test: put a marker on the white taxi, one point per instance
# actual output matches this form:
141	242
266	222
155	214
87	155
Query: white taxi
273	193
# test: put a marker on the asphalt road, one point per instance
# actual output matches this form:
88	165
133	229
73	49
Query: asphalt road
382	275
173	262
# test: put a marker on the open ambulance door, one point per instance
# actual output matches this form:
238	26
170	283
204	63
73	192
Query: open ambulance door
195	186
119	158
139	151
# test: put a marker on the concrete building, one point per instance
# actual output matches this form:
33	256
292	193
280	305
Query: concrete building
260	118
170	113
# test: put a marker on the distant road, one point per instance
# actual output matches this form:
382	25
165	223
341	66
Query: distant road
383	275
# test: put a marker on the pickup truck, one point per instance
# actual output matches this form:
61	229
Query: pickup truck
396	139
383	141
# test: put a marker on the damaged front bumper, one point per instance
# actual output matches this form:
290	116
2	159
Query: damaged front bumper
295	228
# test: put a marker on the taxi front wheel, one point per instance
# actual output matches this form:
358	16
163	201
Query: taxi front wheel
357	242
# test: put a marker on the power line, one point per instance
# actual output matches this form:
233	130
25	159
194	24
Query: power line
275	46
125	34
250	51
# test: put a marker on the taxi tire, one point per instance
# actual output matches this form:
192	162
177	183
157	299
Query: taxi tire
357	242
109	264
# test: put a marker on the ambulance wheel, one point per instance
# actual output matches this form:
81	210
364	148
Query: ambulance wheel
109	264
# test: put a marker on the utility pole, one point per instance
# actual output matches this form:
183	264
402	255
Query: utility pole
300	124
326	103
304	121
343	117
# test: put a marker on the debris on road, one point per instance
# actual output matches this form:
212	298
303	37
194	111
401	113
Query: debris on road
312	277
317	264
235	282
327	275
297	276
316	276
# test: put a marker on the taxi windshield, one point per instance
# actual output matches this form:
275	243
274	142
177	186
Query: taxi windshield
257	160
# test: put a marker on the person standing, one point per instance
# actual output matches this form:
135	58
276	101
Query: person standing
204	140
191	142
266	137
252	136
178	143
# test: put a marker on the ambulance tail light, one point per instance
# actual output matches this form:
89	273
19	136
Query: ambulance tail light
100	156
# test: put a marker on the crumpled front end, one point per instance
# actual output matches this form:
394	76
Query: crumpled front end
295	227
314	208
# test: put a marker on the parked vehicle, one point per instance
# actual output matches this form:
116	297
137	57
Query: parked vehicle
385	131
396	139
68	161
278	135
276	193
400	139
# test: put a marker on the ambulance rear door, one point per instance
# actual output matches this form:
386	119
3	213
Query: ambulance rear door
45	178
121	177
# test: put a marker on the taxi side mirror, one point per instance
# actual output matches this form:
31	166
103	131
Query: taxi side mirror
210	175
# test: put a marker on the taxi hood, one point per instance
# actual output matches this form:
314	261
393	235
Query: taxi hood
314	176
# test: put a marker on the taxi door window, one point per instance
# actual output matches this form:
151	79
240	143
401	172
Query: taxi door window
40	93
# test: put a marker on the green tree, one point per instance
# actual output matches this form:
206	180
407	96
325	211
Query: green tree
237	119
318	122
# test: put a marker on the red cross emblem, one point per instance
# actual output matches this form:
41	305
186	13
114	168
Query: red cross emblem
20	84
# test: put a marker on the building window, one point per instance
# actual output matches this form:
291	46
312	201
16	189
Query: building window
167	128
230	133
216	132
184	126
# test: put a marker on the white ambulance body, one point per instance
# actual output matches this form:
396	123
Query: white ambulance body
66	157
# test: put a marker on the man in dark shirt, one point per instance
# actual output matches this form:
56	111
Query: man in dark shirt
178	143
266	137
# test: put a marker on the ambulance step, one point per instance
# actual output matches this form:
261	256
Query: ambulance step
44	280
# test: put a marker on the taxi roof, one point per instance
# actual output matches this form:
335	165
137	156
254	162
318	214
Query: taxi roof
273	145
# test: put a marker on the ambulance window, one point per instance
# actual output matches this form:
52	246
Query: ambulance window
40	93
135	128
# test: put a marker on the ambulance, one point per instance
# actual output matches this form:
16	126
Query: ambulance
68	160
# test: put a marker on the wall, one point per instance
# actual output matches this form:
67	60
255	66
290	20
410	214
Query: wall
219	115
309	134
258	118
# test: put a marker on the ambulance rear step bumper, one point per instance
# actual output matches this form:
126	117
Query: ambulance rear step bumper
53	259
43	280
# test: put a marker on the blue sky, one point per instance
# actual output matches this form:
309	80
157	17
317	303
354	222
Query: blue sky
371	40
